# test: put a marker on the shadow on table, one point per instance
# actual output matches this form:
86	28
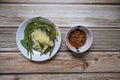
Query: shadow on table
79	55
46	61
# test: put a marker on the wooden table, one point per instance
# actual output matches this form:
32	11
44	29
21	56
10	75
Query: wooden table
100	62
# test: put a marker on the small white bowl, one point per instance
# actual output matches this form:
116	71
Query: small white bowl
88	43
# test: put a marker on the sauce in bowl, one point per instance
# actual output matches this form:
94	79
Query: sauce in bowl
77	38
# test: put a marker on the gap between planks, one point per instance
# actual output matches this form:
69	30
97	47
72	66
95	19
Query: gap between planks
61	1
52	73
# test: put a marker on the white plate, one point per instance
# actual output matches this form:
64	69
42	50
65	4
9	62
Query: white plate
36	56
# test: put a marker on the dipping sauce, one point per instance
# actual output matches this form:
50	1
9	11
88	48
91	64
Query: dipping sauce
77	38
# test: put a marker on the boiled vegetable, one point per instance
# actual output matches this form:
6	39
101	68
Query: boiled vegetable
40	34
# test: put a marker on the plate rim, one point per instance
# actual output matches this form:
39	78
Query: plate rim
24	53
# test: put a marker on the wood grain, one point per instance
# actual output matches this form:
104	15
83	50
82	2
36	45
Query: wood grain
100	62
60	1
62	15
81	76
105	39
63	62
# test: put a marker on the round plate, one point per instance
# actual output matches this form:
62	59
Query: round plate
36	56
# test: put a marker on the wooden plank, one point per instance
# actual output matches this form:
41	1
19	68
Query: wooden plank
63	62
82	76
62	15
105	39
61	1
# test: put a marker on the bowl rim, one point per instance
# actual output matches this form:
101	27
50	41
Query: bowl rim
74	49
